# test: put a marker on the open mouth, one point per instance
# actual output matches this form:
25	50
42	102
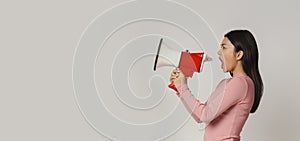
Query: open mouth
221	62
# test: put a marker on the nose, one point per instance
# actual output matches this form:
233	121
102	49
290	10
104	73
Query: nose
219	52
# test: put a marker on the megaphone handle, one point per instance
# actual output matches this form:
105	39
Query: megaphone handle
172	86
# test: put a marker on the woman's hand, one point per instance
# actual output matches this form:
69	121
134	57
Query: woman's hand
177	78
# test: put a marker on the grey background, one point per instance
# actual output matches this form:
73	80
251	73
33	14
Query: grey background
38	40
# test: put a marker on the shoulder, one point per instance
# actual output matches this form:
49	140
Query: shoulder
234	80
240	80
238	83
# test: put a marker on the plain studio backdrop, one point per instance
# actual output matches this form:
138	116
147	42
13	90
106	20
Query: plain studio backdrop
39	39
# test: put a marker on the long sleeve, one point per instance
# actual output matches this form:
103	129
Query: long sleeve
228	93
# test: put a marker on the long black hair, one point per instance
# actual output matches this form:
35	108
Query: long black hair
243	40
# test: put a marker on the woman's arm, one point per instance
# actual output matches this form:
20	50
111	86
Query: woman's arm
227	94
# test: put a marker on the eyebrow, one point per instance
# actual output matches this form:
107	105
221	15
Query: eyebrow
223	44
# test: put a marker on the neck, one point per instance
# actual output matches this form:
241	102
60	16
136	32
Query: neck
238	70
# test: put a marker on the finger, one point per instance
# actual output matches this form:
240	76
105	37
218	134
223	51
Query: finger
174	71
173	75
173	78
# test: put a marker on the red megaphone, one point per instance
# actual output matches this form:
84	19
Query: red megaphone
187	62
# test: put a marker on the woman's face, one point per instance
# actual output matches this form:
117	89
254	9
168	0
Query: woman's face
227	55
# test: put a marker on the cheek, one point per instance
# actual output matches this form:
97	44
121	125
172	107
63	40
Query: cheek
229	62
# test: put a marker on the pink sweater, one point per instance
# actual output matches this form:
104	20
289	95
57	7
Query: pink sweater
226	110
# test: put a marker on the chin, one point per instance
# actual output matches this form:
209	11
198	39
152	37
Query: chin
225	71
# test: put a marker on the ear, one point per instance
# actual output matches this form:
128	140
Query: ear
239	55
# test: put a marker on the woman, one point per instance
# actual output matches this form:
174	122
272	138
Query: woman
228	107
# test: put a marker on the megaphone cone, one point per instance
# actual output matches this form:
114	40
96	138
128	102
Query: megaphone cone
166	56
